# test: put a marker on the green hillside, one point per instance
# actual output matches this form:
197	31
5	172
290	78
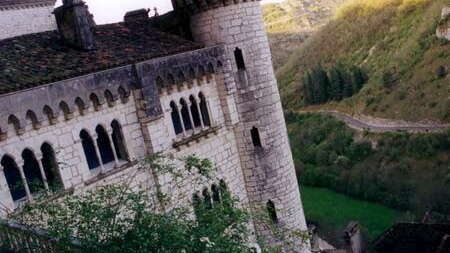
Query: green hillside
394	42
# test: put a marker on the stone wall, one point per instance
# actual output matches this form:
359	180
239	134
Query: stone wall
443	30
267	166
24	20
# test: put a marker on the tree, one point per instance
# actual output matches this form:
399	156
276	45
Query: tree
117	218
321	84
359	78
336	83
308	88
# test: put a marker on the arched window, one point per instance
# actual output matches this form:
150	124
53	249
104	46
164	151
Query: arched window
50	115
64	107
207	198
89	150
255	137
81	105
104	145
204	110
176	121
13	120
13	179
195	112
50	167
31	116
123	94
239	58
272	211
32	171
215	194
185	115
109	98
95	101
119	141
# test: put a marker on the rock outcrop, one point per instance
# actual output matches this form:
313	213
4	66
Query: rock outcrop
443	30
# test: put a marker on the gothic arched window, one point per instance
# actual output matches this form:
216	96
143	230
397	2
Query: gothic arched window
50	167
239	58
176	121
32	171
89	150
104	145
204	110
207	199
185	115
255	137
272	211
195	113
119	141
13	179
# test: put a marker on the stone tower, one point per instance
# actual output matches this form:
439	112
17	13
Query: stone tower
261	130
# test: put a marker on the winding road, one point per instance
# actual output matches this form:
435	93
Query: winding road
371	124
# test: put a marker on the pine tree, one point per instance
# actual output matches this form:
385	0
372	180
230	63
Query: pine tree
322	84
348	84
359	78
336	84
308	88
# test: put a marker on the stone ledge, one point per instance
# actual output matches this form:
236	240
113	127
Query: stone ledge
195	137
109	173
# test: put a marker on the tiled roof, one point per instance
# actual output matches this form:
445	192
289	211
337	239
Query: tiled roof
35	59
4	3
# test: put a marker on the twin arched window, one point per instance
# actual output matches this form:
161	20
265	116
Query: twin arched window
190	116
36	174
106	149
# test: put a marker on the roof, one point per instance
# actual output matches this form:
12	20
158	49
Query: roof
414	238
31	60
4	3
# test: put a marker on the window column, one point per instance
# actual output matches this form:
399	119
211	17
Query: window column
181	119
5	193
97	153
190	117
41	169
24	181
200	114
110	134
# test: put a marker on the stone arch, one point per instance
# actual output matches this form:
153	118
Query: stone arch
95	101
195	112
15	122
89	149
104	145
110	99
123	95
176	120
119	141
51	116
64	107
81	105
239	59
272	211
13	178
32	171
32	117
51	167
185	115
204	110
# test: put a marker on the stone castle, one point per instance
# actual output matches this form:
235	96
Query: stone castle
81	104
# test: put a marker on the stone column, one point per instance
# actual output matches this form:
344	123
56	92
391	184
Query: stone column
41	169
6	201
24	182
97	152
182	121
190	117
200	114
211	118
116	159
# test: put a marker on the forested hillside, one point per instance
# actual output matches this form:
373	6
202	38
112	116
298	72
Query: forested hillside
394	43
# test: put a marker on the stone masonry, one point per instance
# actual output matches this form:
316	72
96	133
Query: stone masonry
215	97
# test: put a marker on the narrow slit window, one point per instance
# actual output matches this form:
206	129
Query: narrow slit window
256	139
272	211
239	57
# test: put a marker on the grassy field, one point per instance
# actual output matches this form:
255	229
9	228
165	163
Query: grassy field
333	211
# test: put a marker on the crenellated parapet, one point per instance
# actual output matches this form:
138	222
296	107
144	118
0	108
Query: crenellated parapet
196	6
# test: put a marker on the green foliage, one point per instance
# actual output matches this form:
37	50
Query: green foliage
333	211
405	171
340	82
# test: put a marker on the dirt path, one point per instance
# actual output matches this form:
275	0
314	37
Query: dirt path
379	125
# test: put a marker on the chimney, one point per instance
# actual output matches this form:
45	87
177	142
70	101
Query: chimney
75	24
